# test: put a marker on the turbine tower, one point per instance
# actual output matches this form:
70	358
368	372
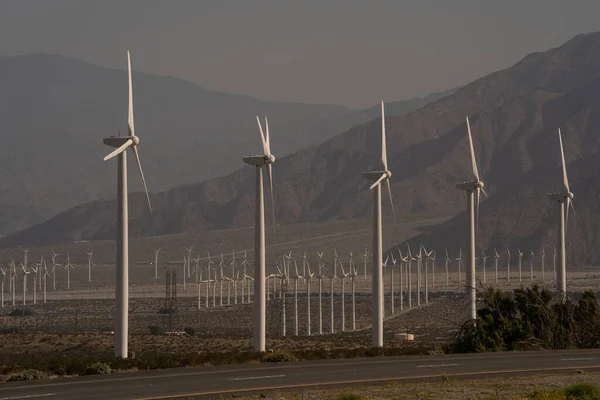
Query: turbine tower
377	274
473	190
267	159
564	200
122	262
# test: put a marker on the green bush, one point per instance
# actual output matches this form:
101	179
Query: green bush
29	375
582	391
98	368
278	356
532	318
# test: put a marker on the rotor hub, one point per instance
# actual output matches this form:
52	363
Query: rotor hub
269	159
388	173
570	195
135	140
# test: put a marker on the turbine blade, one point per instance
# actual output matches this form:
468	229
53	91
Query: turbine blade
137	158
564	167
383	144
268	138
382	177
270	171
119	150
474	164
389	189
262	136
130	113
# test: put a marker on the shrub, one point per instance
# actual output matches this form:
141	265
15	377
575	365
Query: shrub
582	391
349	396
189	330
155	330
278	356
21	312
29	375
98	368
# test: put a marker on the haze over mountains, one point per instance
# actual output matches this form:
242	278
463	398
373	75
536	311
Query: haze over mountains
514	113
54	112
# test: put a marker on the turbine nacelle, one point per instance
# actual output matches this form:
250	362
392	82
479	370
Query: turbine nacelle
561	197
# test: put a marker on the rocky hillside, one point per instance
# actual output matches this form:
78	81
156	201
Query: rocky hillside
514	114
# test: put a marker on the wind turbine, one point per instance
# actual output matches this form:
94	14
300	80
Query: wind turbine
54	265
343	292
90	265
353	275
508	265
156	251
564	200
543	263
122	262
35	268
25	273
379	177
266	159
496	258
68	267
13	284
321	275
409	273
446	262
520	257
3	273
394	261
283	277
531	265
473	190
308	280
296	277
403	260
459	259
46	275
484	258
189	260
428	255
365	256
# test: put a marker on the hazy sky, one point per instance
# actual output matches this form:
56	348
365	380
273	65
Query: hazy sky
322	51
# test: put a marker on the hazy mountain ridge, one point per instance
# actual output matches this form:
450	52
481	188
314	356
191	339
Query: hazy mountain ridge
54	112
513	113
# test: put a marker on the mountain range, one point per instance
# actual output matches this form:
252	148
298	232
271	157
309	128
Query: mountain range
54	112
515	114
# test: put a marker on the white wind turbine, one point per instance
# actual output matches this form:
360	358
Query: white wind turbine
35	268
531	265
283	277
459	259
446	262
308	280
428	256
322	272
3	273
200	282
409	275
25	273
46	275
221	278
383	176
54	265
353	275
13	281
343	292
508	265
331	297
122	261
208	267
484	258
296	278
543	264
68	267
403	260
432	258
266	159
394	261
520	258
496	259
365	256
90	265
185	261
473	189
564	200
156	251
189	260
419	258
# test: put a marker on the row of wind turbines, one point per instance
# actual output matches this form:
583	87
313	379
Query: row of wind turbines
266	160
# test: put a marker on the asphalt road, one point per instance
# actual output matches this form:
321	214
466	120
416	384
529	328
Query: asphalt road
210	382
